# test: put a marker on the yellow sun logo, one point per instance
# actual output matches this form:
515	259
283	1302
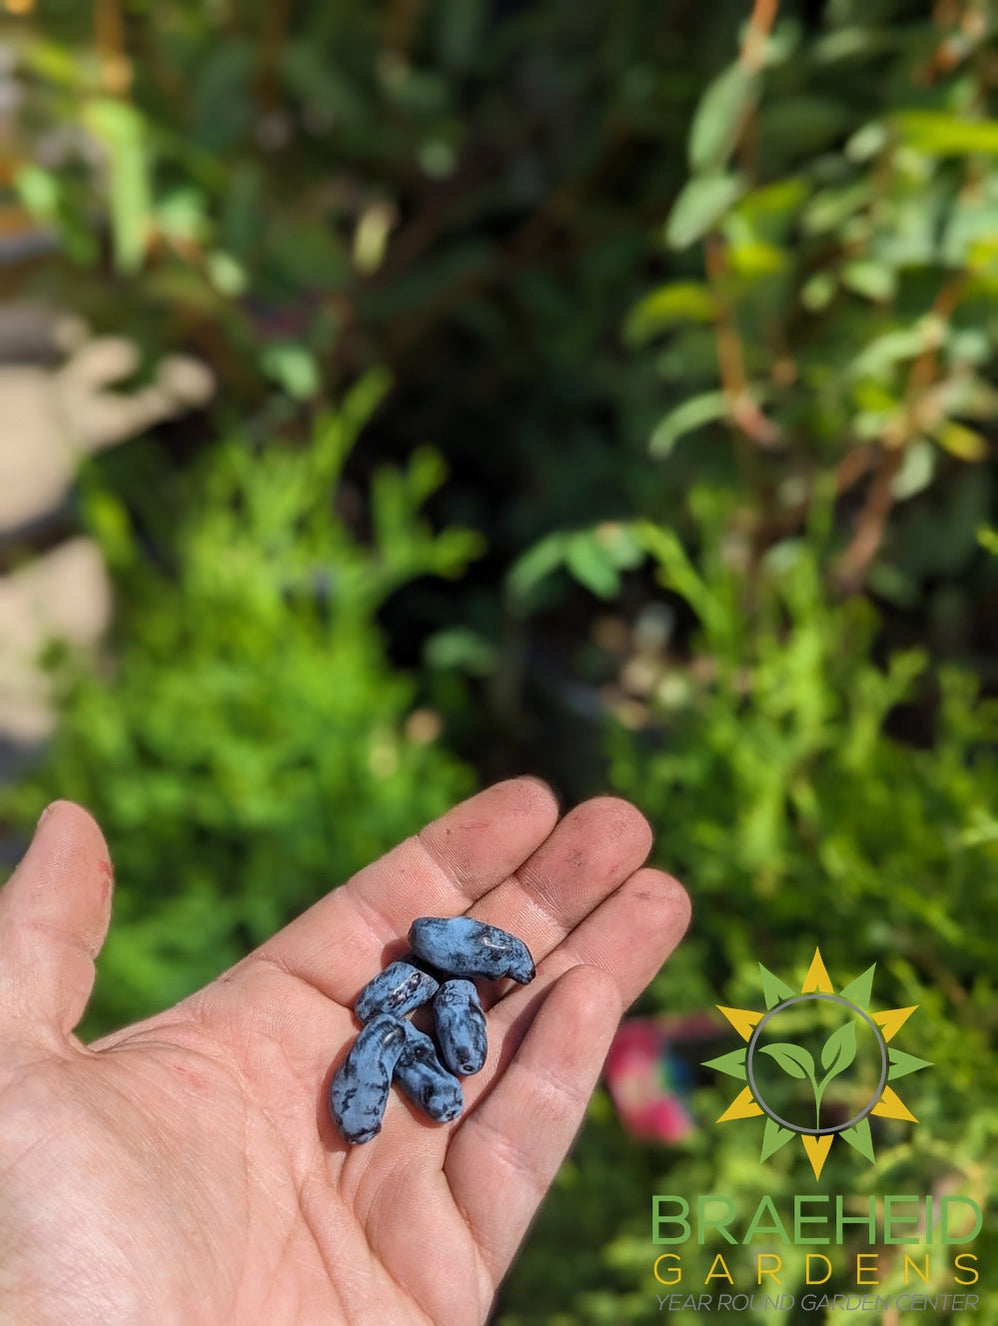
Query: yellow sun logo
804	1042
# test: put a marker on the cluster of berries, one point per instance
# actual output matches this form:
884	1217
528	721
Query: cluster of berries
446	951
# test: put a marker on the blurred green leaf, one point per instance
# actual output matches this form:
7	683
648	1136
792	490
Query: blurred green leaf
880	356
939	133
677	302
960	441
691	414
917	470
227	275
462	648
39	190
122	131
818	291
753	258
988	538
793	127
720	117
771	209
534	566
293	367
590	563
872	280
700	206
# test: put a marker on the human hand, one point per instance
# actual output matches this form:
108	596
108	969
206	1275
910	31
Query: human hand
185	1170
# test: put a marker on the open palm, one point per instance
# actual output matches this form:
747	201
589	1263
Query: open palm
185	1170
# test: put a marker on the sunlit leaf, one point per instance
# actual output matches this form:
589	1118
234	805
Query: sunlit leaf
960	441
755	258
680	301
718	119
873	280
818	291
700	206
122	130
988	538
692	413
917	470
867	142
293	367
38	189
829	208
227	275
939	133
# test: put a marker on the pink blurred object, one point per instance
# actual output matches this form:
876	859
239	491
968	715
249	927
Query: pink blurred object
648	1082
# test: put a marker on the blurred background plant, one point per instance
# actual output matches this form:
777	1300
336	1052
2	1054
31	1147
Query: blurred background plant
697	312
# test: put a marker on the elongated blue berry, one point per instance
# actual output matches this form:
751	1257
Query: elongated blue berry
460	1026
398	990
424	1079
359	1090
463	946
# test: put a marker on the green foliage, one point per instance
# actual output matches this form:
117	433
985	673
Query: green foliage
249	747
841	341
702	317
798	822
843	188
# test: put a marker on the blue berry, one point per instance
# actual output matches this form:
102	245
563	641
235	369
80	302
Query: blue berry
358	1092
463	946
398	990
460	1025
424	1079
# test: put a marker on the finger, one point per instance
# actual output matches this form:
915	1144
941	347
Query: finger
505	1154
629	937
595	848
54	914
344	940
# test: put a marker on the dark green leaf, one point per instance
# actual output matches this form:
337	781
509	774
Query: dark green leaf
534	566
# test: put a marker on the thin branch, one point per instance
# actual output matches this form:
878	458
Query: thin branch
748	423
872	521
109	38
760	25
273	37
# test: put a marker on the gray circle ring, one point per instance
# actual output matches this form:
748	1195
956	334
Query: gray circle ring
760	1099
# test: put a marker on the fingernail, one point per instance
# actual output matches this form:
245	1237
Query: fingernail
45	813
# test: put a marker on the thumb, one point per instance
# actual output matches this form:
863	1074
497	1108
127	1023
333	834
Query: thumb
54	914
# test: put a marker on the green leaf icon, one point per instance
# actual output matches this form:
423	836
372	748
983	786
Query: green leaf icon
839	1051
793	1059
